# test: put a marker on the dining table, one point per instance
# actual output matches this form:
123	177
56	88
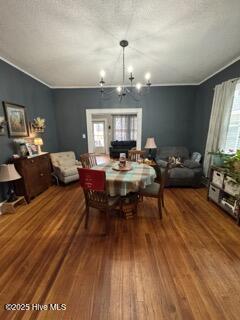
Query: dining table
126	183
122	183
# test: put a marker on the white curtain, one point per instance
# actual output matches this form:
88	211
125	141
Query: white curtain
125	127
219	120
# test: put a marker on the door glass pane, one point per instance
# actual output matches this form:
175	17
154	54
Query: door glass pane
98	133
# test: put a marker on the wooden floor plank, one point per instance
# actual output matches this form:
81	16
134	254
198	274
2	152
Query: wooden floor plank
186	266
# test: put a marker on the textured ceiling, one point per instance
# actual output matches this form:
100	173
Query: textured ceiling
67	42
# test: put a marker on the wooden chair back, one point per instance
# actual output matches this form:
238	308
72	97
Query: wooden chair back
93	183
88	160
135	155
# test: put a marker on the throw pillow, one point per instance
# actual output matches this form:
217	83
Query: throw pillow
196	156
175	161
191	164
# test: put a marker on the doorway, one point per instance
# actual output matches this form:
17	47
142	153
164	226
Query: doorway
96	115
99	136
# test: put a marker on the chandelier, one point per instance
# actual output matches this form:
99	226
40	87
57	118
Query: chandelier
123	89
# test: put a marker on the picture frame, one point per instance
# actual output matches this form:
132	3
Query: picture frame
16	118
2	125
32	149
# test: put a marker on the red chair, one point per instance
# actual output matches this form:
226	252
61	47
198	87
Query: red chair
93	183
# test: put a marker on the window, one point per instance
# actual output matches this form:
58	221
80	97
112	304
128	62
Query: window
98	133
233	133
125	127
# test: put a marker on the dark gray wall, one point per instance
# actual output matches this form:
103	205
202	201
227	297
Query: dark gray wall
174	115
167	114
17	87
203	105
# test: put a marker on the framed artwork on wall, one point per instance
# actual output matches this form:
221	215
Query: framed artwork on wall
16	119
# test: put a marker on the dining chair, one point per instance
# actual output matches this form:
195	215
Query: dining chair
88	160
135	155
93	183
156	189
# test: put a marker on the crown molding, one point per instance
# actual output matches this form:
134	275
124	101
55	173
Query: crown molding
219	70
128	86
24	71
114	86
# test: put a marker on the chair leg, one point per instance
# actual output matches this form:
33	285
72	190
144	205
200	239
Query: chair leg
107	227
162	197
86	217
160	208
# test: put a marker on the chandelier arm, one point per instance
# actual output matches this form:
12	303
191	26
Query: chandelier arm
133	96
107	91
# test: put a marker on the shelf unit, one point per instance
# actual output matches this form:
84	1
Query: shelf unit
224	191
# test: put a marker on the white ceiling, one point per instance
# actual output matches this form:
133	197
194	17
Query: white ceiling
65	43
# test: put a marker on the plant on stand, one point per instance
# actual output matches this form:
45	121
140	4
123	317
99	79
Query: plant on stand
233	165
218	157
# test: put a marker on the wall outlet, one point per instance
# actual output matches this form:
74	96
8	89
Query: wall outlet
84	136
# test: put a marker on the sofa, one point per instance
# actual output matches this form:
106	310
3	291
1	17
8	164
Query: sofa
188	174
65	166
118	147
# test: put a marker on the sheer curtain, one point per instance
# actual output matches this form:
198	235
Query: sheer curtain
124	127
219	120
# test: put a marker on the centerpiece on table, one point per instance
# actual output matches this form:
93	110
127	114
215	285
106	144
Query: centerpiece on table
122	165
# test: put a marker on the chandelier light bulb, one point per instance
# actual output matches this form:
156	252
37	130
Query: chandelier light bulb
119	89
130	69
148	76
138	86
102	73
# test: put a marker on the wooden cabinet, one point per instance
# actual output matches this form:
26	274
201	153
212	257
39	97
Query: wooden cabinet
35	173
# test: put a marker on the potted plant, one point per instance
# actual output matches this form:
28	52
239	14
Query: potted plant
39	124
233	163
218	157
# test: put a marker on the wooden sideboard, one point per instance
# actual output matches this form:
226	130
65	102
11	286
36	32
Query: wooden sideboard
36	175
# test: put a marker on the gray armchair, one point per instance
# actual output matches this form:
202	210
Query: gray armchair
189	174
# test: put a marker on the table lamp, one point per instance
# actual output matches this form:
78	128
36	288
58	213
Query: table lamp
150	144
8	173
38	142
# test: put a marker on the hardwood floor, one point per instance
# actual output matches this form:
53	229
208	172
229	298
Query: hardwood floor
186	266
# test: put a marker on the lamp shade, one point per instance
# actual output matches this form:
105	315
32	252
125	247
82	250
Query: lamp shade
38	141
150	144
8	173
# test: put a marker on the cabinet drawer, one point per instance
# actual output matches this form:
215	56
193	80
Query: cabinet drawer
218	178
213	193
44	163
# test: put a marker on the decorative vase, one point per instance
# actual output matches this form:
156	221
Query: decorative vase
218	160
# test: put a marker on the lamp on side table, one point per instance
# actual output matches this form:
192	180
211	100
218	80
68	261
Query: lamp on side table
38	142
8	173
150	144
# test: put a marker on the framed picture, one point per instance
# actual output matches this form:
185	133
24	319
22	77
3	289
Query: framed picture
32	149
16	119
